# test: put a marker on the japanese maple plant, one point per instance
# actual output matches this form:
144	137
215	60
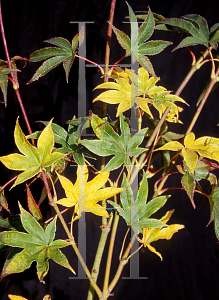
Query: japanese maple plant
125	144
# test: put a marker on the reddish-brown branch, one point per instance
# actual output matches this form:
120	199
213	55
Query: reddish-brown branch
13	76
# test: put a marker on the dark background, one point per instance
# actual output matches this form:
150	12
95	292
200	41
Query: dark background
190	266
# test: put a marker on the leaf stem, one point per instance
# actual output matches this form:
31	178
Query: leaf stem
90	61
16	84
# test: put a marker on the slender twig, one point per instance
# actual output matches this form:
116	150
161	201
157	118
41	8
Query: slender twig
122	263
193	69
192	124
123	243
16	84
110	253
199	109
92	62
12	179
98	256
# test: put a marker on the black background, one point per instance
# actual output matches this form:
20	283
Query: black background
190	266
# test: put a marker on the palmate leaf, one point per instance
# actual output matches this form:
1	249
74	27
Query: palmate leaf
205	146
197	27
64	53
137	212
69	141
32	159
154	234
110	143
130	89
36	244
84	195
138	46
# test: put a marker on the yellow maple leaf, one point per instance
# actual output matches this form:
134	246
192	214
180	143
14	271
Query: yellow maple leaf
32	159
129	89
15	297
153	234
205	146
85	195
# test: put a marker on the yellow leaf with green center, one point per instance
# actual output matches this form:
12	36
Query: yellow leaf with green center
85	195
130	88
32	159
205	146
153	234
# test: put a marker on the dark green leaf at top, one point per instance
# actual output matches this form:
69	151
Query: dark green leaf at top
137	45
197	29
64	53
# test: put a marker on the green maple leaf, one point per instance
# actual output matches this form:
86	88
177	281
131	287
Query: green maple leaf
137	212
37	245
197	27
33	159
139	46
54	56
110	143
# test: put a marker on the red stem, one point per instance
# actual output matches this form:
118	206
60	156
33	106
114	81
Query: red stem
13	76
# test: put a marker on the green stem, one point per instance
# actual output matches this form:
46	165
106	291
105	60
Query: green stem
96	266
123	262
71	238
110	254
